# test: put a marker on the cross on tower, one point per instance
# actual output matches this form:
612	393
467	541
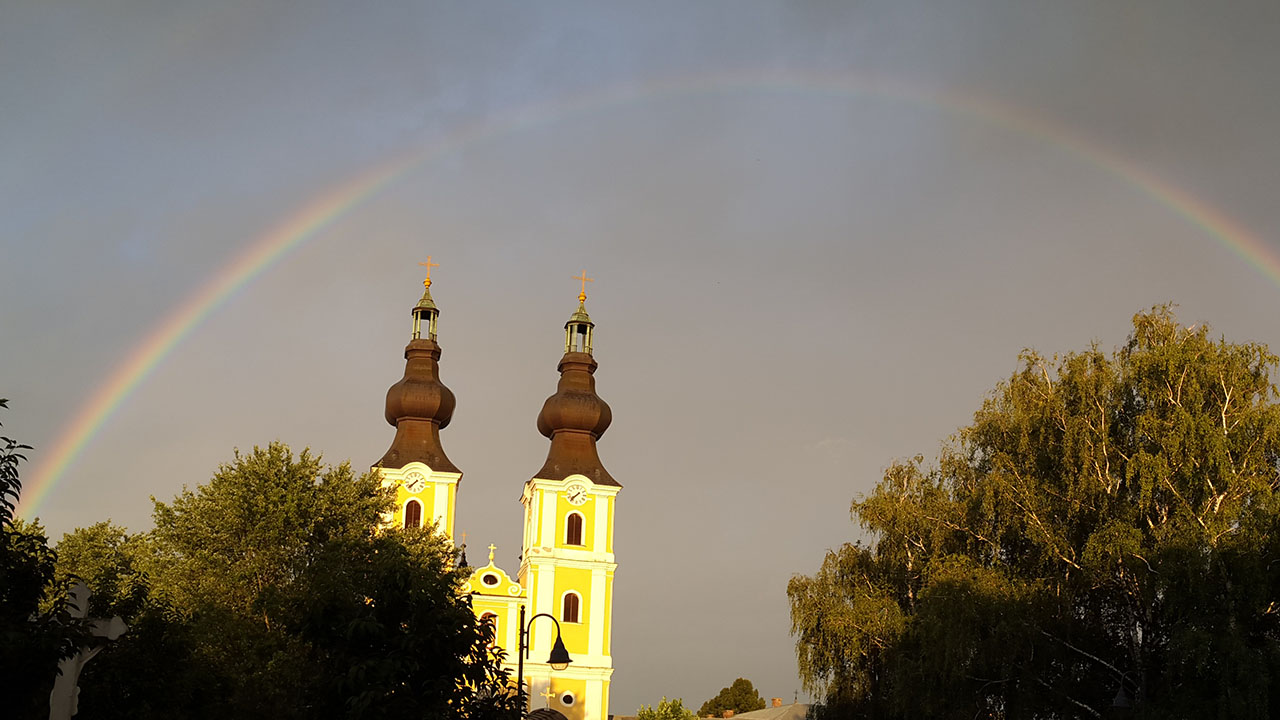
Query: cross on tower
492	547
428	264
582	296
548	694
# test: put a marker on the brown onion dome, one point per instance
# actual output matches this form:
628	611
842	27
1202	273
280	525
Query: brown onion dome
575	406
420	405
575	417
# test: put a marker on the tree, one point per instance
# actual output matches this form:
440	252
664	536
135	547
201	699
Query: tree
739	697
666	710
153	671
1107	530
271	592
36	631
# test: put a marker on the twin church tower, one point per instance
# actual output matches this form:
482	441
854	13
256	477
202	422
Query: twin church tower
566	561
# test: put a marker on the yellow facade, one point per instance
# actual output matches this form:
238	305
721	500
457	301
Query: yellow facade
435	493
577	581
553	565
608	617
552	568
608	546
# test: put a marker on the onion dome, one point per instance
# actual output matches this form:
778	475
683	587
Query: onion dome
420	405
575	417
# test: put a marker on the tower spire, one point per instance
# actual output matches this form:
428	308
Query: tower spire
575	417
419	406
426	312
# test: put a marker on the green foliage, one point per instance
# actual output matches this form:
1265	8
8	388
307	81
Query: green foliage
10	483
739	697
1106	522
666	710
243	543
152	671
35	628
107	559
270	593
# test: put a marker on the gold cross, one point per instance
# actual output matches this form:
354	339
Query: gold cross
582	296
464	538
492	547
548	695
428	264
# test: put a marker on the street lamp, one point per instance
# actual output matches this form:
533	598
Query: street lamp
558	660
1122	703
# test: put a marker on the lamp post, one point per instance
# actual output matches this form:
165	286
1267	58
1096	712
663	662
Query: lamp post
558	660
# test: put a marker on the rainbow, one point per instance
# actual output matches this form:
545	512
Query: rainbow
327	207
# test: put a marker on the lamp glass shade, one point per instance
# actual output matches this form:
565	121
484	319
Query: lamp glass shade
559	658
1122	699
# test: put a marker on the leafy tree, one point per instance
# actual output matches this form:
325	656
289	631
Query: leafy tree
666	710
108	560
270	592
739	697
1107	531
153	671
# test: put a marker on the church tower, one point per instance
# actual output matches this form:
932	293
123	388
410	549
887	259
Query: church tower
567	563
419	406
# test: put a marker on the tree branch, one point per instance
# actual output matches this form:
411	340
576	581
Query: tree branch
1073	701
1085	653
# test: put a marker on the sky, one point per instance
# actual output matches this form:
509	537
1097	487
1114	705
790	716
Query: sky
820	234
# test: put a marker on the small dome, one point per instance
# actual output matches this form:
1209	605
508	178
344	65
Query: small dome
580	316
426	303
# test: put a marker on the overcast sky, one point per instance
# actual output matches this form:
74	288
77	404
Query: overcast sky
820	232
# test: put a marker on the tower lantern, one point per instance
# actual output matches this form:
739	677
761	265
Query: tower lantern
577	332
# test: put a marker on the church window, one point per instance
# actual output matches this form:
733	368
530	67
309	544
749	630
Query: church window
568	699
489	579
571	603
493	621
413	514
573	529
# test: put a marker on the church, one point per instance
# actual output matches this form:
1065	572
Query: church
566	561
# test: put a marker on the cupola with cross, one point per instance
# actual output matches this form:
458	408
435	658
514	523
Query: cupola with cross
419	406
577	332
425	312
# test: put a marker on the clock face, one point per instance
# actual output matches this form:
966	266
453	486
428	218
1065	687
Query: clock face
414	482
576	495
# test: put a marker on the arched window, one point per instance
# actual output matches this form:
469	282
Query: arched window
413	514
493	620
573	529
571	603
